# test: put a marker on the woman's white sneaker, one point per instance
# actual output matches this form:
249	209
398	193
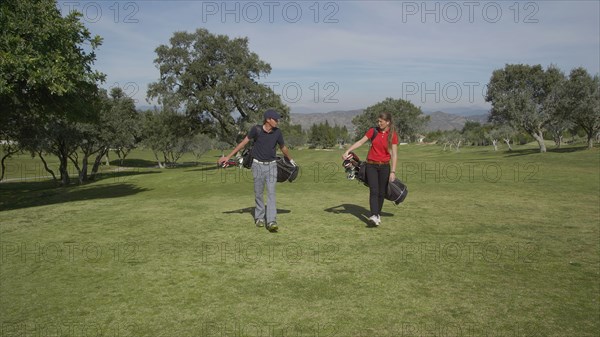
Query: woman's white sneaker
374	220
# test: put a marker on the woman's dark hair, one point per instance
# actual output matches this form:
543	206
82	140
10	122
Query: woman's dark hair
386	116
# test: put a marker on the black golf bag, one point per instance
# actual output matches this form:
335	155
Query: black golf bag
356	169
247	158
396	191
286	171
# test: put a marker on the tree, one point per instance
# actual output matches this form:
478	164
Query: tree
557	127
507	133
167	133
211	79
525	97
408	119
455	138
474	133
493	135
122	124
294	136
582	102
200	145
341	135
45	71
322	135
450	138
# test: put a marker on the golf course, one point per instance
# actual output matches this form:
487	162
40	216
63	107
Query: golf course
487	243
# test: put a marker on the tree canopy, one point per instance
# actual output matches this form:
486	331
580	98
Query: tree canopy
526	97
582	102
408	119
213	80
47	84
42	55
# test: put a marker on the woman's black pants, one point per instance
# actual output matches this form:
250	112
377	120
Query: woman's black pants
378	177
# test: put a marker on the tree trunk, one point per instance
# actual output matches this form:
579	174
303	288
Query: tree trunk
97	163
75	160
64	171
495	143
8	154
590	141
46	167
166	159
458	145
123	152
83	177
160	165
507	141
539	137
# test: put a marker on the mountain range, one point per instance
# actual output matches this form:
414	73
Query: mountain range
451	119
439	120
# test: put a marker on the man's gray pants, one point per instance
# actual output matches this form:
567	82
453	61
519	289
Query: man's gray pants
265	174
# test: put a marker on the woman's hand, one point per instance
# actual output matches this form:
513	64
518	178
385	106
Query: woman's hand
392	176
345	155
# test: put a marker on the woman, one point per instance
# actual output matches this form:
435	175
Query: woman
378	162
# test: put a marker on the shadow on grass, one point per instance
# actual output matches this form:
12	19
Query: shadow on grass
32	194
525	152
205	166
120	176
359	212
133	163
250	210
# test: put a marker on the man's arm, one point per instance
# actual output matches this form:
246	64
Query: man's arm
235	150
285	152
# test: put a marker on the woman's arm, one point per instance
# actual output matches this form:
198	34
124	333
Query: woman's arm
354	146
394	161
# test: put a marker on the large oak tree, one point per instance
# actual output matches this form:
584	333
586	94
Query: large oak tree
213	80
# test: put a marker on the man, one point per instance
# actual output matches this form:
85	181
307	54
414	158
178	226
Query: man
264	167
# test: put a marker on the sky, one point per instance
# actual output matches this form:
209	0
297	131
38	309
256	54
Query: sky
345	55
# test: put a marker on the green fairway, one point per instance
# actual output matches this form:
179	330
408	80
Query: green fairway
486	244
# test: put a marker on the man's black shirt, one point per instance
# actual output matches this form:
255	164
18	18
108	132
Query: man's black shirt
265	142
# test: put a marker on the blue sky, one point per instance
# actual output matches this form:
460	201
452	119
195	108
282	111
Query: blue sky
343	55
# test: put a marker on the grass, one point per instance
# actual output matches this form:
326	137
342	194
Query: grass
487	243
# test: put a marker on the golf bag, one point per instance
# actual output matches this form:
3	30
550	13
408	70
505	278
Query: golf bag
286	171
356	169
396	191
247	156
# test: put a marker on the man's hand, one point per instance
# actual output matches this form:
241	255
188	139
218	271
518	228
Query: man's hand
222	160
293	162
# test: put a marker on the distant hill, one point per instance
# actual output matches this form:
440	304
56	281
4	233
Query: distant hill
340	118
464	111
439	120
443	121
